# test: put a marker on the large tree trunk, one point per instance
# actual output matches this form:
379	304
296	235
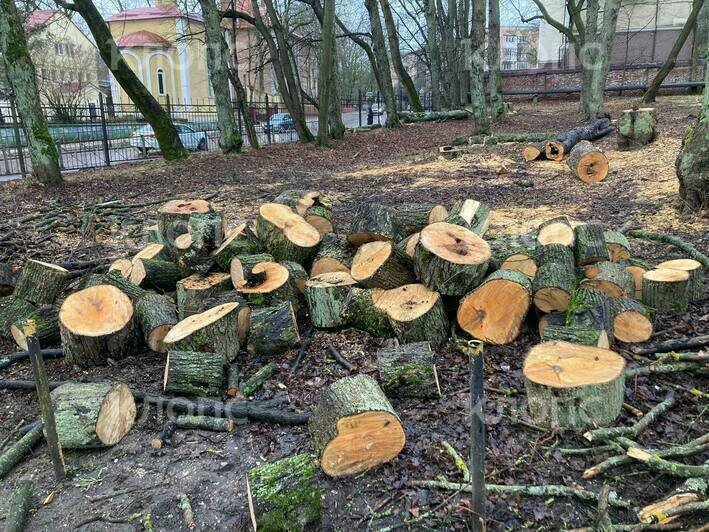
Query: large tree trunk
434	54
327	63
669	63
497	104
701	41
218	63
165	132
477	68
21	76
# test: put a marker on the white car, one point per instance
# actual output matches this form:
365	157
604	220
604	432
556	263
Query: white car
143	139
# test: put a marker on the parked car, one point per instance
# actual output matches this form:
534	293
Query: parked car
279	123
143	139
378	109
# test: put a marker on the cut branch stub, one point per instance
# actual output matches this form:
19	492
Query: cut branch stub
40	282
326	295
375	265
495	311
372	222
238	241
556	231
285	234
416	314
666	290
450	258
632	322
174	215
270	283
334	255
354	427
97	324
588	163
696	275
555	281
573	386
611	278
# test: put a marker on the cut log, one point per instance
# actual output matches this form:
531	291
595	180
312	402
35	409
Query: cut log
46	320
494	312
416	314
286	495
534	151
320	218
354	427
632	322
470	214
577	335
611	278
273	330
90	415
214	424
285	234
405	249
124	266
97	324
449	152
193	373
302	200
155	273
269	285
298	275
335	255
243	311
152	251
242	269
588	163
206	230
636	128
666	290
191	292
590	310
12	310
522	263
590	244
375	265
233	377
696	275
410	218
561	145
408	370
40	282
19	507
516	253
156	316
553	318
173	218
556	231
213	331
326	295
618	246
372	222
191	256
361	312
115	279
451	259
152	234
8	280
238	241
637	269
555	281
573	386
258	379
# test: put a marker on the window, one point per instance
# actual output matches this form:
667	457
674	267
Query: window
59	48
161	82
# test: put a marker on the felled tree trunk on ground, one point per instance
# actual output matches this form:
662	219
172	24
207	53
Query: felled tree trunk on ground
273	330
696	275
555	281
92	415
193	373
155	315
21	76
434	116
349	408
334	255
636	128
562	144
561	396
286	495
46	320
666	290
362	312
588	163
408	370
97	324
326	296
285	234
375	265
416	314
192	291
371	222
40	282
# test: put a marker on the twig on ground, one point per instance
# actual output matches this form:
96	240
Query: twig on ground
669	467
681	344
656	369
457	460
680	244
340	359
187	513
307	338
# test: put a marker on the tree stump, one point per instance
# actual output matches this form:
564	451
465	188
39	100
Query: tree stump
470	214
666	290
97	324
238	241
696	275
335	255
588	163
46	320
286	495
416	314
173	218
410	218
693	160
408	370
636	128
611	278
40	282
90	415
590	244
155	273
372	222
269	284
555	281
213	331
573	386
12	310
577	335
156	316
354	427
494	312
273	330
556	231
192	291
618	246
193	373
632	322
451	259
285	234
326	295
375	265
361	312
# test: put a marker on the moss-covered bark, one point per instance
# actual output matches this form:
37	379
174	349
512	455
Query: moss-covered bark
220	337
273	330
194	373
636	128
408	370
12	310
590	244
361	312
46	320
155	315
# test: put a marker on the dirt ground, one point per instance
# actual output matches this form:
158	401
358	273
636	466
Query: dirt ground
389	167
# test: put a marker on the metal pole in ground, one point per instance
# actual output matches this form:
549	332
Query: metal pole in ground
104	132
18	139
359	106
268	123
379	110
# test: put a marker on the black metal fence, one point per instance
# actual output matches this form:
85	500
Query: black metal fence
90	136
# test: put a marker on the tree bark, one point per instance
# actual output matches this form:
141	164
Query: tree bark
382	60
434	54
21	76
477	68
497	103
327	63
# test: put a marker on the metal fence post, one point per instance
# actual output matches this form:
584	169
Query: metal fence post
18	139
168	107
359	106
59	152
379	110
268	123
104	131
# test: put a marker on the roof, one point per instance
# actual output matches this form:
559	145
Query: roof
145	13
142	38
39	18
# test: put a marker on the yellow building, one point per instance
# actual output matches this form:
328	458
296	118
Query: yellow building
156	43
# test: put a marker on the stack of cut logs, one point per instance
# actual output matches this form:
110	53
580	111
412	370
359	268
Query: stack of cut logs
207	297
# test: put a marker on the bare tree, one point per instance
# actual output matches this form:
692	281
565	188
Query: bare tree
382	62
434	54
477	68
327	63
497	103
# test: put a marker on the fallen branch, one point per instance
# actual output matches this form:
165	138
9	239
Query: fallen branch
501	138
603	520
340	359
677	242
19	356
19	507
669	467
457	460
434	116
682	357
19	449
654	369
307	338
187	513
253	383
692	490
681	344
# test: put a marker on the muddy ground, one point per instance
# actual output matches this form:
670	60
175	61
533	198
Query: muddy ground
388	167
